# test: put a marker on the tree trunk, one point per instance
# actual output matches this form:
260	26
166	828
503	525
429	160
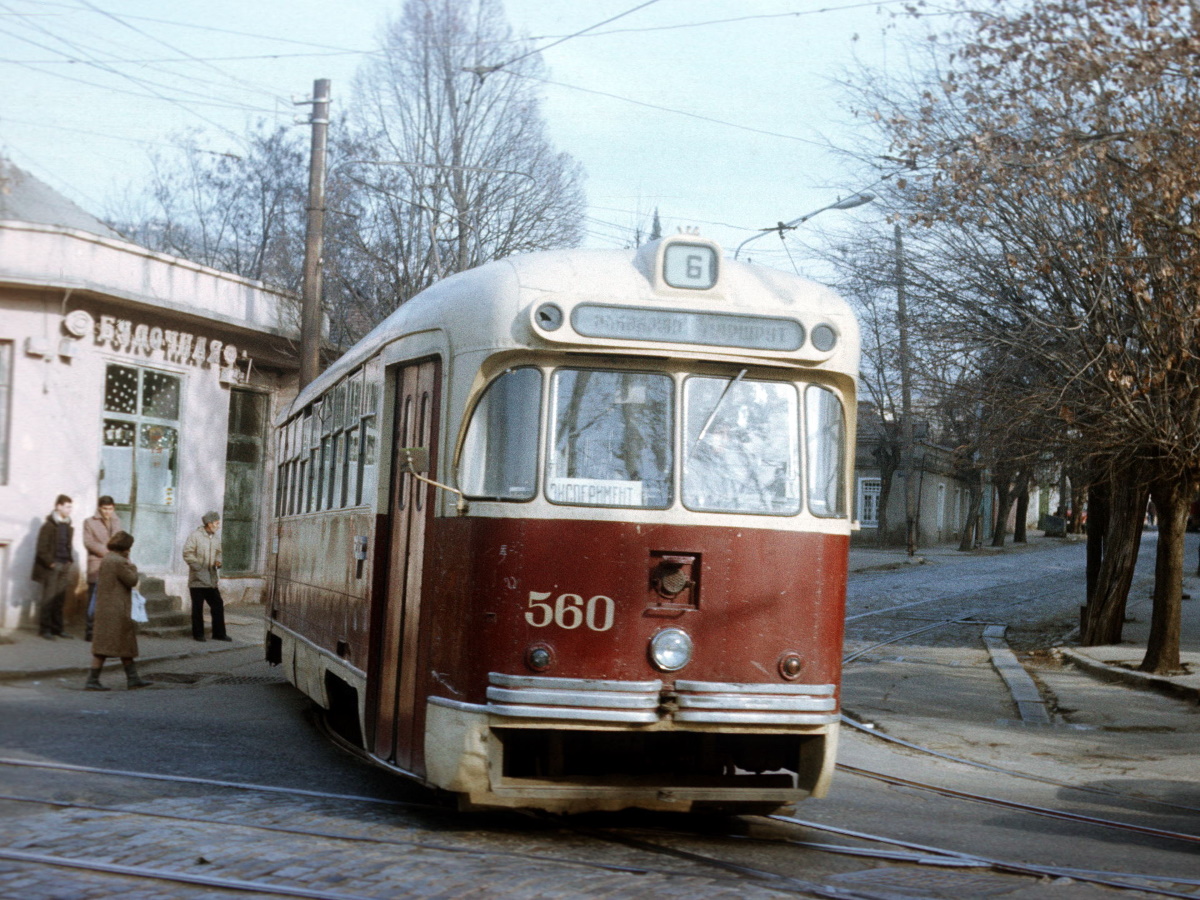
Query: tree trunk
1077	494
1019	535
1004	502
885	496
1097	525
967	542
1104	615
1172	497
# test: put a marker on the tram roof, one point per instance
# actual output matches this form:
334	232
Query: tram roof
480	308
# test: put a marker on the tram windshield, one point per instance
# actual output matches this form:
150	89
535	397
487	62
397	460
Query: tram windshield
610	440
742	446
747	446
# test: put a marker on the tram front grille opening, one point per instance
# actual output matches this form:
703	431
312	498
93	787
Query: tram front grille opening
664	758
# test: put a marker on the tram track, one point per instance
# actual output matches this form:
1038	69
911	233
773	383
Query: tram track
732	872
916	854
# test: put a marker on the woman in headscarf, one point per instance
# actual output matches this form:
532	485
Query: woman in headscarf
114	632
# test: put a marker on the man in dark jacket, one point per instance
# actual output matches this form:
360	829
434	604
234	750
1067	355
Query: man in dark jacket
54	566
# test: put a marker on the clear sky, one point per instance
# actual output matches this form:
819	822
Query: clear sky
716	112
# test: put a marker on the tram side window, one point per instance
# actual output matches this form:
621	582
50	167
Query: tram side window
826	440
313	444
282	471
499	457
296	467
368	435
610	439
741	446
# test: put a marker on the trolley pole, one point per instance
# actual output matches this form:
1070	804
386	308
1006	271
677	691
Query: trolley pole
310	312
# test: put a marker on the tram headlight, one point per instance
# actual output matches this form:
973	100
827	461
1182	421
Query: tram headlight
671	649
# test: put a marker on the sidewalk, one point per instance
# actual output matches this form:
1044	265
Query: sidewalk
1117	662
29	656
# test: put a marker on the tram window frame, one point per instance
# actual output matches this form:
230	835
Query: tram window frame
667	443
475	467
811	458
693	501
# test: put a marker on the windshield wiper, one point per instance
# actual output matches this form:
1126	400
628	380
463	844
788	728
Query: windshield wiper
716	408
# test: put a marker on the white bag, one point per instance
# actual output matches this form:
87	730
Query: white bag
137	611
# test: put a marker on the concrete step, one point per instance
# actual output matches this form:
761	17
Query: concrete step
163	604
176	619
149	629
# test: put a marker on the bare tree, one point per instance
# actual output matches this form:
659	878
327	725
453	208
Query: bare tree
440	162
453	147
239	213
1055	162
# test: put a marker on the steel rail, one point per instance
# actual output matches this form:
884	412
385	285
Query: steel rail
336	836
206	782
1105	878
1000	770
960	596
932	855
776	880
1020	807
967	619
228	884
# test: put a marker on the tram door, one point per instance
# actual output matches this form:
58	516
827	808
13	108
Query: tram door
399	715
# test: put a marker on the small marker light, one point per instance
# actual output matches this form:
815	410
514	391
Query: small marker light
790	666
539	657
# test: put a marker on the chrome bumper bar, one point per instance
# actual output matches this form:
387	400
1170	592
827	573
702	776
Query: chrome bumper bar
647	703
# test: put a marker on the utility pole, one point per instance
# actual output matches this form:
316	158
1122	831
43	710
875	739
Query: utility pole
314	241
906	424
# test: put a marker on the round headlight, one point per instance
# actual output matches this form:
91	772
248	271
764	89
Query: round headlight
671	649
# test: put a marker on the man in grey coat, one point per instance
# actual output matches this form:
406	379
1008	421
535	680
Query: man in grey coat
202	553
97	532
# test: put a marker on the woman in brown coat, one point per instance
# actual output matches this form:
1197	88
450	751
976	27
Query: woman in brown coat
115	633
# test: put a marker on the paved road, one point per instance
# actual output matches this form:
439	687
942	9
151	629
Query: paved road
941	685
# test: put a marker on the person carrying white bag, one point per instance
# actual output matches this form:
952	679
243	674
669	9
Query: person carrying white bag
115	632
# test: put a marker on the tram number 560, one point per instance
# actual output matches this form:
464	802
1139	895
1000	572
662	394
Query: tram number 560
569	611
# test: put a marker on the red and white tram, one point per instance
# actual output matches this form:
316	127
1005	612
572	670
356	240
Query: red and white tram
568	531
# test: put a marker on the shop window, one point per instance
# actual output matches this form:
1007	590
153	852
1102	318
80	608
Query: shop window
140	456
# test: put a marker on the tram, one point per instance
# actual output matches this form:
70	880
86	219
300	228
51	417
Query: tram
569	532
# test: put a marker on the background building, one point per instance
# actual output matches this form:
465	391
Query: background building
134	374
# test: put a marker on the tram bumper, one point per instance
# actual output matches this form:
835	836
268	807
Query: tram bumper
576	745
